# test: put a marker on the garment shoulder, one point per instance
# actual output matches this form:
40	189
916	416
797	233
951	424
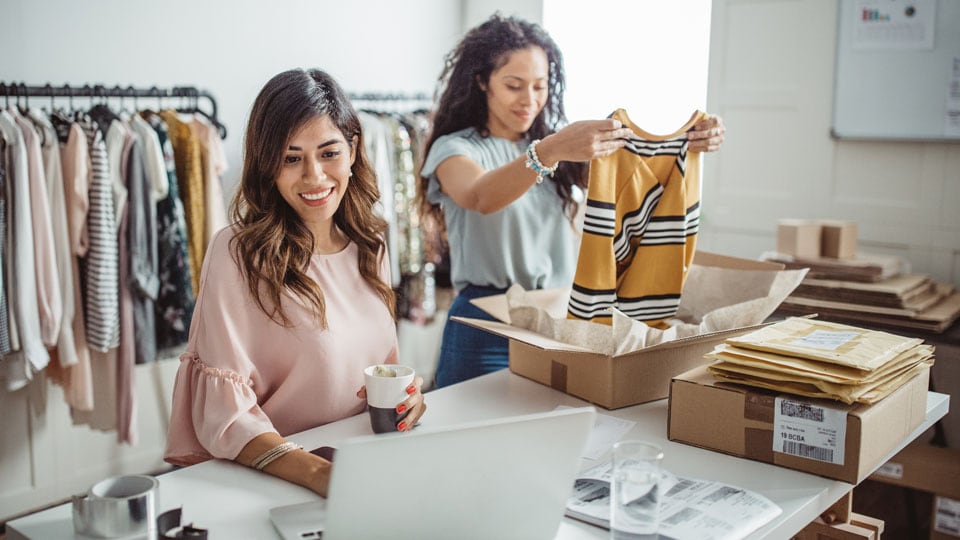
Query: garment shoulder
220	262
465	142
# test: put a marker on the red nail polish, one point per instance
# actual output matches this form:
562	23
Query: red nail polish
401	408
401	426
411	389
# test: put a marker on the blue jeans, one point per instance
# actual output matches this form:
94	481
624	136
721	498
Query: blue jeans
467	352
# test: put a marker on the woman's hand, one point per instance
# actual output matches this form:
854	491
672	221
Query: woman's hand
414	403
706	135
583	141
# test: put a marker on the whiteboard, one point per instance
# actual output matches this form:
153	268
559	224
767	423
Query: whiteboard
898	72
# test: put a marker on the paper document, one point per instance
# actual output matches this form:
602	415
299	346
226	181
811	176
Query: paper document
691	508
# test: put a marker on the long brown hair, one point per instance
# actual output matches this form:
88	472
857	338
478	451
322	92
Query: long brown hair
463	103
272	245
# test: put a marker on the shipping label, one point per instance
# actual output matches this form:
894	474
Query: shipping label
812	431
825	339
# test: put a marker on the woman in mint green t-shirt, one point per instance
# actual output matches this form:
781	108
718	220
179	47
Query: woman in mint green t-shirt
505	172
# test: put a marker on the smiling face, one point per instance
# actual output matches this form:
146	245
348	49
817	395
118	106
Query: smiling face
517	92
314	174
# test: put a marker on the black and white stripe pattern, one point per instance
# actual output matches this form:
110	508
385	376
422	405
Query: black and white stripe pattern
100	266
649	308
667	230
635	223
600	218
589	303
670	147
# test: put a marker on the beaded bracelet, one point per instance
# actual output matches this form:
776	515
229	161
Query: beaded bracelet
274	454
533	162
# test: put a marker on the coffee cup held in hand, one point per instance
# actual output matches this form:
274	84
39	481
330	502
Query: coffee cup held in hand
386	388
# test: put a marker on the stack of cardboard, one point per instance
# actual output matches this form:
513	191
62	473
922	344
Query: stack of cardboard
820	359
848	286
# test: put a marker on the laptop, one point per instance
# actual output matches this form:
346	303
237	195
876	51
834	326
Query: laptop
503	478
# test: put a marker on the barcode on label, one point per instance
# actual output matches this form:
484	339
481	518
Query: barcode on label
890	469
947	512
807	451
801	410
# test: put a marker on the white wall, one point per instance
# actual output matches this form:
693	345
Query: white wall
640	65
230	48
772	78
477	11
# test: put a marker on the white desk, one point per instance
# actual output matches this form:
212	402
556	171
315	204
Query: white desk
232	501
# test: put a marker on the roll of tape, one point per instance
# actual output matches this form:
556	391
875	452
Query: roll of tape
117	507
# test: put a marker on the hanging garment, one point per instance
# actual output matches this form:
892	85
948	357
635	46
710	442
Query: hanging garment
5	347
154	166
100	266
32	355
53	171
126	352
175	299
378	145
114	136
214	165
49	299
77	379
143	280
639	231
188	157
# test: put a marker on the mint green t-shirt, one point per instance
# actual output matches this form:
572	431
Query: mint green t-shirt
530	242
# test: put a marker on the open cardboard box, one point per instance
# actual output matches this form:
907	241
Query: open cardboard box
611	381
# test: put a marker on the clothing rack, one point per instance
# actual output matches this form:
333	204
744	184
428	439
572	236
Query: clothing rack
189	96
390	101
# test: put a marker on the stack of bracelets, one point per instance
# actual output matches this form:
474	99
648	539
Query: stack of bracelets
274	454
533	162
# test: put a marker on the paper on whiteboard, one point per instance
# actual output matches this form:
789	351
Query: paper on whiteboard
893	24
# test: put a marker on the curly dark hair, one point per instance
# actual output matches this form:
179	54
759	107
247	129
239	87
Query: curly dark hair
272	245
463	103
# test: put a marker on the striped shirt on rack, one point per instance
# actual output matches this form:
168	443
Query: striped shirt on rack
100	266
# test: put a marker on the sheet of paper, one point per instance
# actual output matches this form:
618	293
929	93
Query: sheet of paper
894	24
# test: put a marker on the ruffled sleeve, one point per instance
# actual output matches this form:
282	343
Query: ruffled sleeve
215	410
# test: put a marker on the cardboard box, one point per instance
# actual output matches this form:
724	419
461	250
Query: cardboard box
798	238
925	467
838	239
740	420
945	520
859	527
609	381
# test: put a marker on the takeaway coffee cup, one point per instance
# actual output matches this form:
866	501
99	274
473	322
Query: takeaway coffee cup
386	388
117	507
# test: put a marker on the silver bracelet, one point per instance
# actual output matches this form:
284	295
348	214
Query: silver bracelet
533	162
273	454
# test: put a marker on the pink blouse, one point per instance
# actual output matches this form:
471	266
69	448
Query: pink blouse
243	375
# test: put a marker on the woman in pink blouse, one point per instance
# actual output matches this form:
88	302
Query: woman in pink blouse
295	298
